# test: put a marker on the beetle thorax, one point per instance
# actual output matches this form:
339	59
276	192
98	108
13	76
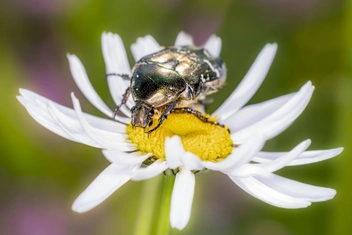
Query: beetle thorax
155	84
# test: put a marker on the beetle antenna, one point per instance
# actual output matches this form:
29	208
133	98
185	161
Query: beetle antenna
123	75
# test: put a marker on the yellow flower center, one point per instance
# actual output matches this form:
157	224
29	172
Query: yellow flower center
208	141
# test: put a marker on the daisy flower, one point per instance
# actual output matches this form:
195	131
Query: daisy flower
184	145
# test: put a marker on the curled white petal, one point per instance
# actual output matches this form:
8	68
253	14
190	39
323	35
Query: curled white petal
267	194
173	151
279	163
151	171
124	159
116	61
64	122
105	141
240	155
306	157
176	155
71	127
184	39
254	113
283	192
297	189
43	118
112	178
144	46
182	199
274	165
278	121
191	161
213	45
250	83
99	123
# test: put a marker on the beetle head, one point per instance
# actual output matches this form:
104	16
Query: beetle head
142	114
156	84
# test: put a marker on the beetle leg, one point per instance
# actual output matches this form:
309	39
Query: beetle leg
198	114
164	115
125	95
189	92
124	100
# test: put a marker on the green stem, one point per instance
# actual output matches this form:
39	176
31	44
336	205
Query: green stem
147	206
162	219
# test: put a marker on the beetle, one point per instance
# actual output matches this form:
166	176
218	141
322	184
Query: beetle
171	80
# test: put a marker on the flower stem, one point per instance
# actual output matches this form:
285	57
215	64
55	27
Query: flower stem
162	219
147	206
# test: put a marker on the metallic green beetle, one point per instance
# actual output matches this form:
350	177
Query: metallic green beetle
172	80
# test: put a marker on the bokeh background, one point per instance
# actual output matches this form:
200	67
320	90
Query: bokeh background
41	174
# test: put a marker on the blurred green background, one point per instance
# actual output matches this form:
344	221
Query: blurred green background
41	174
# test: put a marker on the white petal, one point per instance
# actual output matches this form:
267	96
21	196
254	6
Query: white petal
97	122
285	159
115	54
116	61
125	159
297	189
182	198
43	118
306	157
73	127
105	141
213	45
150	171
63	121
274	165
184	39
173	151
191	161
250	83
144	46
177	156
265	193
239	156
112	178
256	112
80	76
278	121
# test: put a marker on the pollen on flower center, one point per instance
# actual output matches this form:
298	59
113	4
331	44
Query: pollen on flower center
208	141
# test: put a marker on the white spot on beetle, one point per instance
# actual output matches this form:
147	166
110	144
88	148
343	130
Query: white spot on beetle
212	68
